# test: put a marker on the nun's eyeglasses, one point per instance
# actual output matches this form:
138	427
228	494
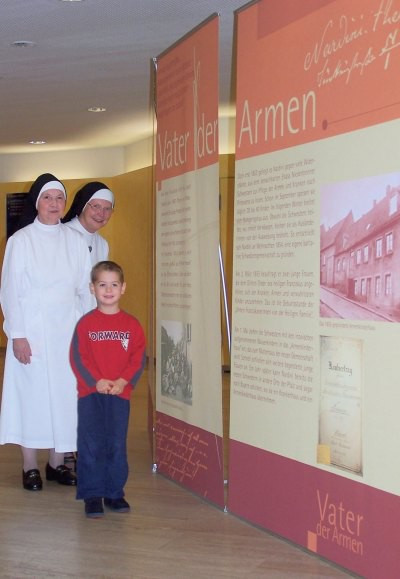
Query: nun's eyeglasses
99	209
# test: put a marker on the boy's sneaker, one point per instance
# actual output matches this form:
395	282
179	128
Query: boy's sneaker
94	508
117	505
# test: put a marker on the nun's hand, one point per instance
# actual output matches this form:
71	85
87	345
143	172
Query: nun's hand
22	350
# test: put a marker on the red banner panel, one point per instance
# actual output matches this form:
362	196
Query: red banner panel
354	525
190	456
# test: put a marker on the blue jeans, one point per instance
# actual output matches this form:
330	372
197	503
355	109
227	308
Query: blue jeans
102	465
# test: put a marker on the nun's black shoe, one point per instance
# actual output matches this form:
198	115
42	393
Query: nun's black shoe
31	480
62	474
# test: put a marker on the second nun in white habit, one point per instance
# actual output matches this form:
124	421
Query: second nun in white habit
91	209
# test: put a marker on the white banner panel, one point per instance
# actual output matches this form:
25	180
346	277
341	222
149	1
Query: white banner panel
315	369
189	387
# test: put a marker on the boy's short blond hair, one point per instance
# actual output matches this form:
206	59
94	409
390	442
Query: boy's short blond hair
106	266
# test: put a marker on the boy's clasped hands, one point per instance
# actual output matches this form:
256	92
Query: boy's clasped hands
105	386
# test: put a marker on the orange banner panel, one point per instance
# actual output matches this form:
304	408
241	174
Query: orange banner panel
302	83
187	104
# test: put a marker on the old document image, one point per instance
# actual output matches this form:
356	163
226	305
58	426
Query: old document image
340	437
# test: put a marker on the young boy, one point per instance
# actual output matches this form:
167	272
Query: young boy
107	356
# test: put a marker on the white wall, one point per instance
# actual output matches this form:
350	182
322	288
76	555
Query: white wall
71	164
94	163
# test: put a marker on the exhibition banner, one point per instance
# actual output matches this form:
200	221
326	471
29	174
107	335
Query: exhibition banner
189	383
314	404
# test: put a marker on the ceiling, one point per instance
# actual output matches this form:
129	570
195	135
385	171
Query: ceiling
91	53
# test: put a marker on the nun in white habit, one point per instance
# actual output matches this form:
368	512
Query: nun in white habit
91	209
44	289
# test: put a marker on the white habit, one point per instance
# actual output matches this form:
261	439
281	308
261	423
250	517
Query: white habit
97	245
44	290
